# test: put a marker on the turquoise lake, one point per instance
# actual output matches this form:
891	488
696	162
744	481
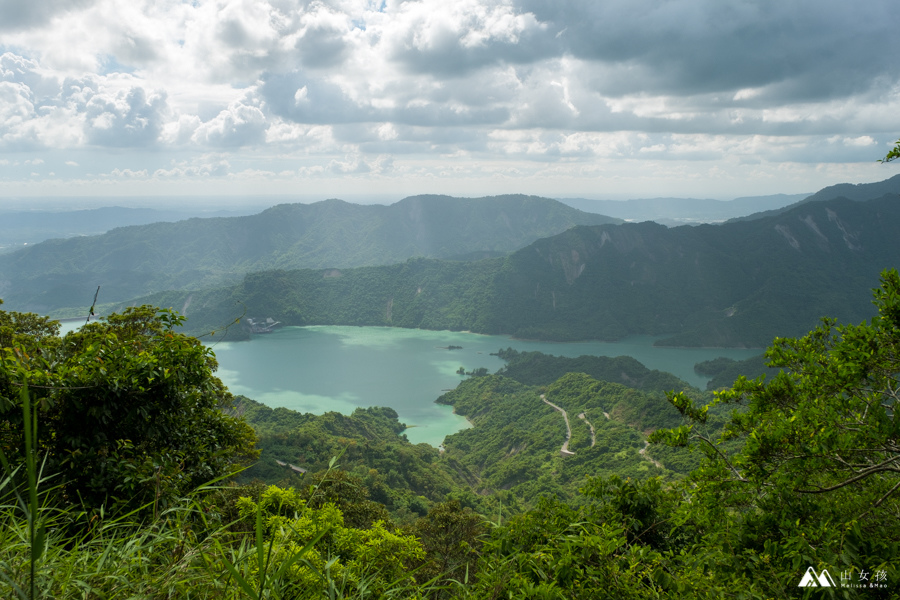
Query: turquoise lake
320	369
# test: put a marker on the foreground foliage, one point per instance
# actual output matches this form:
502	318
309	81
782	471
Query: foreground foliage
129	410
803	475
278	547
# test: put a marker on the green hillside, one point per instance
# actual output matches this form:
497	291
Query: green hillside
132	261
120	450
736	284
537	368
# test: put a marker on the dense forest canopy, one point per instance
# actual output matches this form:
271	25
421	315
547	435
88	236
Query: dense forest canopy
129	411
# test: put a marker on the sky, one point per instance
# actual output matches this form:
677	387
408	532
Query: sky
382	98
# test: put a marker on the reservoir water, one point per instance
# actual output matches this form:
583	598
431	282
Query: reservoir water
320	369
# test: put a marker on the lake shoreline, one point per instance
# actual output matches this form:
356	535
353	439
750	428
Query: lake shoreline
316	369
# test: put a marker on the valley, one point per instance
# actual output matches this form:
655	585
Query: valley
332	368
565	371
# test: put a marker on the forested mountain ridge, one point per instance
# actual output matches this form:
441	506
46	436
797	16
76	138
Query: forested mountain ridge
859	192
713	285
22	227
736	284
195	253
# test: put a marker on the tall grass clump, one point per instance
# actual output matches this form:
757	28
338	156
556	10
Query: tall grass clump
53	549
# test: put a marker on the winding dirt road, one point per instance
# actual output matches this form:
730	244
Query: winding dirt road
565	447
583	417
645	456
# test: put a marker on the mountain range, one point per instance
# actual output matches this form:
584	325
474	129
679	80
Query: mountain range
132	261
28	227
735	284
520	265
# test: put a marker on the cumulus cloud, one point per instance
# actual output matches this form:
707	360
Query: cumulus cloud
343	83
41	109
17	113
128	118
238	125
299	98
323	40
451	38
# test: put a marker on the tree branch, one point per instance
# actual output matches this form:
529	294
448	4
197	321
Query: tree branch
847	482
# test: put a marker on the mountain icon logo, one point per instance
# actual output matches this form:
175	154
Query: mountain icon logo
811	579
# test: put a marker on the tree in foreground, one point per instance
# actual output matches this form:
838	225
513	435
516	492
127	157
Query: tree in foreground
805	474
816	479
129	412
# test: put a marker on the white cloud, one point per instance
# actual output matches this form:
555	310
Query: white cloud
201	167
238	125
862	141
451	38
340	84
126	118
129	174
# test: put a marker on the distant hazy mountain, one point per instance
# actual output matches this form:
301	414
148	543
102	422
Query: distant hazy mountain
858	192
18	228
683	211
132	261
736	284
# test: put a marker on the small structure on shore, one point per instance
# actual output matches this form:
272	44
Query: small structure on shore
258	326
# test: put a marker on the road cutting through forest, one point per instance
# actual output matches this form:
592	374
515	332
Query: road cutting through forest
565	447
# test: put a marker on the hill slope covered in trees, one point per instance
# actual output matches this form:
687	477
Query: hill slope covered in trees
802	478
736	284
132	261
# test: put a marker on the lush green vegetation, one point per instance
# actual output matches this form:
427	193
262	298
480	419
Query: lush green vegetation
129	410
517	437
404	477
725	371
794	473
